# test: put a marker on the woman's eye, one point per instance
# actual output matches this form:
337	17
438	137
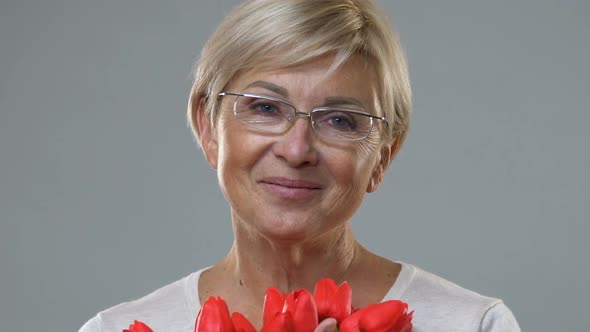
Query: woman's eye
264	108
342	121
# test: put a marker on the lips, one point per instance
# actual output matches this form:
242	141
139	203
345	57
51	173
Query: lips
293	189
290	183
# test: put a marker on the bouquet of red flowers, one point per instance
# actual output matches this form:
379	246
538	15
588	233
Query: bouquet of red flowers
300	311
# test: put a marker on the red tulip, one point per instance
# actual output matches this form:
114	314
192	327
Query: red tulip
138	326
214	317
282	321
302	306
241	323
296	312
388	316
274	301
333	301
404	324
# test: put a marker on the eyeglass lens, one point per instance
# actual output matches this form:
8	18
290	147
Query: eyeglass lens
274	116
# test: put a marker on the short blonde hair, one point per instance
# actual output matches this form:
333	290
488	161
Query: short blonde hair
276	34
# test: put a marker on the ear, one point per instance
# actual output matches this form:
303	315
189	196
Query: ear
388	152
207	134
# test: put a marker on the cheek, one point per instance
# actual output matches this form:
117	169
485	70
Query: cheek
239	150
351	173
353	169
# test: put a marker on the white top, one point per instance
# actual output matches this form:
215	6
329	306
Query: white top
438	304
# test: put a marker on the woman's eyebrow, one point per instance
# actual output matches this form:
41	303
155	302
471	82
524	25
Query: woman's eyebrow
331	101
270	86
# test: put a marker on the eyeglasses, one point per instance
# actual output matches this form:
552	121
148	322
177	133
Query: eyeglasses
274	115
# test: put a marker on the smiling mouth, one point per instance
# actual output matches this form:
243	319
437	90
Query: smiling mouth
290	189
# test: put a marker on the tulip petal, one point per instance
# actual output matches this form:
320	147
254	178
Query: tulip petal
404	324
214	317
322	293
302	307
381	316
273	304
341	302
333	301
138	326
351	323
282	321
241	323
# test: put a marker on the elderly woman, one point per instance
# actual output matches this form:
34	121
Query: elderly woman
300	106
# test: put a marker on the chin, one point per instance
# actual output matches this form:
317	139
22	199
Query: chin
288	230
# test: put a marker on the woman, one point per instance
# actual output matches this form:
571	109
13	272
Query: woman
300	106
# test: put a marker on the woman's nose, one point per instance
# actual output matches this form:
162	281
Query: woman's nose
296	145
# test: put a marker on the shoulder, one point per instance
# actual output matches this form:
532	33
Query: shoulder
423	284
173	306
440	304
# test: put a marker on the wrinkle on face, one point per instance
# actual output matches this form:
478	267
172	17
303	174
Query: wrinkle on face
344	167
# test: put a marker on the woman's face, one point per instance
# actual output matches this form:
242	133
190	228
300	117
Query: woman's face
296	185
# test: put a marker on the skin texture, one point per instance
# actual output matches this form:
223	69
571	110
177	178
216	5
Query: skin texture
327	325
292	195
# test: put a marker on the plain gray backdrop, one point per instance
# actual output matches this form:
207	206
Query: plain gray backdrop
104	195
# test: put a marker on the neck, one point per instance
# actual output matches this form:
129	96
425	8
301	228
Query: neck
257	262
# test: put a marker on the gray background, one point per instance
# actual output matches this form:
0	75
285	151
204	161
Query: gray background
105	197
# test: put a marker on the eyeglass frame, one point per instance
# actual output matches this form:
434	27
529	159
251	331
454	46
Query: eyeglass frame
307	114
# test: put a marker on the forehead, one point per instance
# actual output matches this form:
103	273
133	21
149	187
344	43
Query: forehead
314	81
